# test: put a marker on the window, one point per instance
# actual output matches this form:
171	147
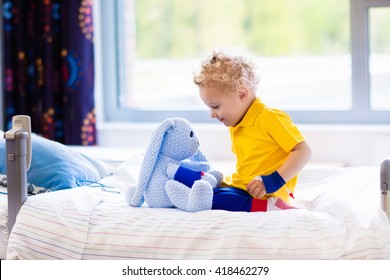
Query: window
322	65
379	59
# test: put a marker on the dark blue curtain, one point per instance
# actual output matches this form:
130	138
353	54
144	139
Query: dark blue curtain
49	67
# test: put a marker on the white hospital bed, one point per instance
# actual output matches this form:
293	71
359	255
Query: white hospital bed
343	214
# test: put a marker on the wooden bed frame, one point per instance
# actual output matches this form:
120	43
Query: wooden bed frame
18	147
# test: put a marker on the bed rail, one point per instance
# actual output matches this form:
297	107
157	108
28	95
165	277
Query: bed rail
385	186
18	153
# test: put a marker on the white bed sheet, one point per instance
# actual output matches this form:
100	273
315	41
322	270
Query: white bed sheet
3	223
340	218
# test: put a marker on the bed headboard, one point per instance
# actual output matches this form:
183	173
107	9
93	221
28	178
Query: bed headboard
385	186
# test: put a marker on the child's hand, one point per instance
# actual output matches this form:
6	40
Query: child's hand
256	188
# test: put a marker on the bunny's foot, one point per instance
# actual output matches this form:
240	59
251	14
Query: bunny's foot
197	198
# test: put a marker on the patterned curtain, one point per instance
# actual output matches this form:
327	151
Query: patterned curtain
49	67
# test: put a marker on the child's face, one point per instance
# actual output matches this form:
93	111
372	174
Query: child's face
228	108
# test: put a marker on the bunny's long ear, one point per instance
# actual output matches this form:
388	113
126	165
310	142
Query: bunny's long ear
149	162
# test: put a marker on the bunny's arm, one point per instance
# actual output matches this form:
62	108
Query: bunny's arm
198	162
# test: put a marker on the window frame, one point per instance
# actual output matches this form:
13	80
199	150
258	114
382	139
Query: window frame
108	49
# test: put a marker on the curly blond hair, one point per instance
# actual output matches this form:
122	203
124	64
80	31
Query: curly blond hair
229	72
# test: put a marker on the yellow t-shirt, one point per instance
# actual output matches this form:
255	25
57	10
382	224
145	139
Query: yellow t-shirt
262	141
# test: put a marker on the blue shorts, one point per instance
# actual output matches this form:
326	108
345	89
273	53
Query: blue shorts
231	199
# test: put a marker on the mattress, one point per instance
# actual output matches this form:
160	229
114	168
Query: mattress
339	217
3	223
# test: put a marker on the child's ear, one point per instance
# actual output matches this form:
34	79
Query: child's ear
243	93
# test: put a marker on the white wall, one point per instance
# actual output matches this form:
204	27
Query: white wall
352	145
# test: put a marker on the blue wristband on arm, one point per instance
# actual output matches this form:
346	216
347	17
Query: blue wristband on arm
273	182
187	176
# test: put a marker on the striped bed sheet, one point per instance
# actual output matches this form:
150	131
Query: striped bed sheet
339	217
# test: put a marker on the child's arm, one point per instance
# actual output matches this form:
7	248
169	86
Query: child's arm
297	159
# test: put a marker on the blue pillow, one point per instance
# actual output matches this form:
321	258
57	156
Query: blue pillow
56	166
